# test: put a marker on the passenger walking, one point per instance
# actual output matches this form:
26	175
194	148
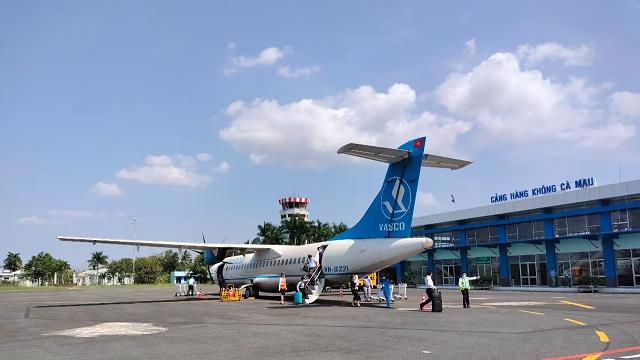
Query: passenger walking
429	288
567	277
386	290
300	289
354	290
311	265
464	288
366	284
282	287
319	254
192	283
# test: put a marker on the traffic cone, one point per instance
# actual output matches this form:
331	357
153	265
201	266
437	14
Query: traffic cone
341	295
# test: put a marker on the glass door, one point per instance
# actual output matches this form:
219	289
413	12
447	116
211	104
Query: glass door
636	271
528	274
448	274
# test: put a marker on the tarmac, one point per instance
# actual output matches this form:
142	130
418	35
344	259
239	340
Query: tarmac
150	323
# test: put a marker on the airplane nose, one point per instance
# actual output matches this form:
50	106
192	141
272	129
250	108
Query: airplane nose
427	243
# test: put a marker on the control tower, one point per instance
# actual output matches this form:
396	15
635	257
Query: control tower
294	207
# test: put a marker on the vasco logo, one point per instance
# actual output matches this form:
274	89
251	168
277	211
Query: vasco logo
395	200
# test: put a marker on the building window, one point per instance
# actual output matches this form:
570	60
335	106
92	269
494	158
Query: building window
625	220
480	236
446	239
577	225
525	231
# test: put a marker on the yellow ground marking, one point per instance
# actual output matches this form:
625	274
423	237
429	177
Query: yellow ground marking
602	336
575	322
577	304
591	357
531	312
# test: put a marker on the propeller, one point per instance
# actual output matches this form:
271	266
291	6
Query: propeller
208	267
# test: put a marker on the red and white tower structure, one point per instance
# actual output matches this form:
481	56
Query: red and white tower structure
294	207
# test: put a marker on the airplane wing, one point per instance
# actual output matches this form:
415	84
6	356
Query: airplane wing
175	244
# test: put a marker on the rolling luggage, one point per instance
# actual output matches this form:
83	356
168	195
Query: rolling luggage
436	304
297	298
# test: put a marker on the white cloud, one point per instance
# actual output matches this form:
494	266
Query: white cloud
177	170
305	72
576	56
470	47
71	214
223	167
106	189
519	105
308	132
34	220
426	200
268	56
203	157
625	103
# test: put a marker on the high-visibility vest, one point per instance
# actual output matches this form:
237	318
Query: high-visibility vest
283	283
464	283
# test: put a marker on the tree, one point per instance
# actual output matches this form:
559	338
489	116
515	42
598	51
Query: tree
297	229
98	259
42	267
13	262
120	268
200	268
186	261
148	270
270	234
170	261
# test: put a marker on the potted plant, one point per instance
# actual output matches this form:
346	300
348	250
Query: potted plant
589	283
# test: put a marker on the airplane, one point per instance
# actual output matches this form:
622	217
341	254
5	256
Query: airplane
380	239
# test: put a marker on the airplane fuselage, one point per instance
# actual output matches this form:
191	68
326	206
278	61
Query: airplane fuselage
341	259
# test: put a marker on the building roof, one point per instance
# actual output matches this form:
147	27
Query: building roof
558	199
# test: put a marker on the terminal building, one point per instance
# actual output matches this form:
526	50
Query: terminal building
549	240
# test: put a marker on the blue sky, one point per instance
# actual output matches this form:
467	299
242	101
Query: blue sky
198	118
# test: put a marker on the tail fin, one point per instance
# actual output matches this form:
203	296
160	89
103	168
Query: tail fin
391	211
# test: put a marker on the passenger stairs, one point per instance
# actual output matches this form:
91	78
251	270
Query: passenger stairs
314	285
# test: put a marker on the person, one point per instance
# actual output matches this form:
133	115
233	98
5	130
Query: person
567	277
354	290
300	287
192	284
366	284
311	265
464	285
552	275
386	290
319	254
282	287
429	288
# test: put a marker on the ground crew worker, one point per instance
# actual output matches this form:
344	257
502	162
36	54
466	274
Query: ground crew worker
282	287
192	283
354	291
429	288
464	288
386	290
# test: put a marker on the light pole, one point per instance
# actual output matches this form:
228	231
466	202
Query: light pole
135	253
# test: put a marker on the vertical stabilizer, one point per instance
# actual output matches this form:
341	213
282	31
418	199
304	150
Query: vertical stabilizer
391	211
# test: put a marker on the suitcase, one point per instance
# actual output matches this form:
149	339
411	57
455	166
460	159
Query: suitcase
297	298
436	304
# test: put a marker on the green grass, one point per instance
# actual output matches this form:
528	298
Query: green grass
72	287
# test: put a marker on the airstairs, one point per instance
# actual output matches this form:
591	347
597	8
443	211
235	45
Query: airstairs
314	285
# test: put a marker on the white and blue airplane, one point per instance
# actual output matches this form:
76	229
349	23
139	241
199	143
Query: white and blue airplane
380	239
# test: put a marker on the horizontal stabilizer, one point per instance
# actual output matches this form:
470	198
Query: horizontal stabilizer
443	162
386	155
392	156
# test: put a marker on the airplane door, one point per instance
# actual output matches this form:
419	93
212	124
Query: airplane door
219	275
